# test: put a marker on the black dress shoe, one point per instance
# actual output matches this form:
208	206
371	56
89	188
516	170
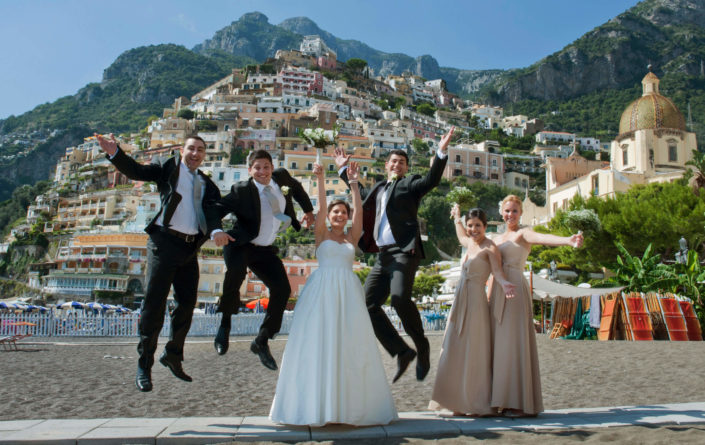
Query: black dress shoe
221	340
174	365
403	360
423	363
262	349
143	380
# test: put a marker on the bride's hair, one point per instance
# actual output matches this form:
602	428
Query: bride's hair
477	213
339	201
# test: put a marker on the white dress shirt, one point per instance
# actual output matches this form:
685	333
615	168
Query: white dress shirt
384	235
269	225
184	218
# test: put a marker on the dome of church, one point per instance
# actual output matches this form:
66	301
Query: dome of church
651	110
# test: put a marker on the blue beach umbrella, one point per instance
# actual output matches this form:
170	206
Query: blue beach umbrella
71	305
97	306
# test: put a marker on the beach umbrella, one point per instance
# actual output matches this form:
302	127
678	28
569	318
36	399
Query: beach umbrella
11	306
97	306
262	302
71	305
32	308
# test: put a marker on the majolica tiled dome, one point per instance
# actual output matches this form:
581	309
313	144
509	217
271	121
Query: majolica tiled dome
651	110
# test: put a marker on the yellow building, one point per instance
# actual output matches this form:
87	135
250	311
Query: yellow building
653	145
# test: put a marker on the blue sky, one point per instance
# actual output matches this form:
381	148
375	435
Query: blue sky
53	48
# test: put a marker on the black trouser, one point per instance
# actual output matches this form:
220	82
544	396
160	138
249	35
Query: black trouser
393	273
170	260
263	262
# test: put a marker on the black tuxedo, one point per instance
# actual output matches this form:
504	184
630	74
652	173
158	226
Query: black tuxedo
243	202
396	265
171	258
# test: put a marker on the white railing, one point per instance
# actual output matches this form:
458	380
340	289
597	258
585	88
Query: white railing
125	325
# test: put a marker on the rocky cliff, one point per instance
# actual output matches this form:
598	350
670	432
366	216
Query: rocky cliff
667	34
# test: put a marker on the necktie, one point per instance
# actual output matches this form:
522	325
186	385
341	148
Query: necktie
381	201
276	210
197	204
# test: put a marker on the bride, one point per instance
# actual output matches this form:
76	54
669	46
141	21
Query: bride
332	370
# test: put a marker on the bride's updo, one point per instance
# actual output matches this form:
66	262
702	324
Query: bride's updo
512	198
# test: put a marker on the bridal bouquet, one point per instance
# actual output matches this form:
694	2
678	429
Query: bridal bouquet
462	196
583	220
320	138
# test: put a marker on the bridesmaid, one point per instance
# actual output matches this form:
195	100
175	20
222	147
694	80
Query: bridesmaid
464	376
516	382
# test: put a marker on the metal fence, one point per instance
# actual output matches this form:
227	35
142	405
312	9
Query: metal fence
79	324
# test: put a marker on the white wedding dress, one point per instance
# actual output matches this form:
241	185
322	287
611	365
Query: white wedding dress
332	370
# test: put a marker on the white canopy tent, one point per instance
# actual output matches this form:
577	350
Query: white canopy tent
547	290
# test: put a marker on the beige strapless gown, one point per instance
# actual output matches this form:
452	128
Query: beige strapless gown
516	381
464	376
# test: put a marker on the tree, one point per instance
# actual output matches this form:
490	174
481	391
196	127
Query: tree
186	113
356	65
426	285
362	274
426	109
419	146
655	214
435	210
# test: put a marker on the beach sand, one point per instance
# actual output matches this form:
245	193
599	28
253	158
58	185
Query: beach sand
94	378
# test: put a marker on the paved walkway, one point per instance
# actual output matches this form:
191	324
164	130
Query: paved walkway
204	430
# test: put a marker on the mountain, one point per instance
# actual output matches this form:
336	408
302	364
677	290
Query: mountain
139	84
583	87
667	34
253	36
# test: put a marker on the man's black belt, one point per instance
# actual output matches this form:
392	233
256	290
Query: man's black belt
183	236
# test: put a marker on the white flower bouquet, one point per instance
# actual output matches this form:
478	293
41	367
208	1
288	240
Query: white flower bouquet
320	138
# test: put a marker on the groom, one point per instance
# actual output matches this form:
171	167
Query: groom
263	207
390	227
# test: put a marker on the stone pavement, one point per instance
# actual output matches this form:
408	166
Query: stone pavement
205	430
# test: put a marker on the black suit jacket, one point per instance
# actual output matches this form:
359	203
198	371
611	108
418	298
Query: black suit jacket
402	208
165	174
243	202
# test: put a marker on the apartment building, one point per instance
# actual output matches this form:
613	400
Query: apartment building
477	162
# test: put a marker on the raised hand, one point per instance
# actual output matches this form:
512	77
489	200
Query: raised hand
577	240
318	171
455	211
109	146
445	140
341	159
353	171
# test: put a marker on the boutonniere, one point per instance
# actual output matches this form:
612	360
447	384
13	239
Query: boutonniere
394	177
285	190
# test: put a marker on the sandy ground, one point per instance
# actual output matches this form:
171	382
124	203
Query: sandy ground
94	378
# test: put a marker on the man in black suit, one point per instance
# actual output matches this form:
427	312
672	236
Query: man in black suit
263	207
175	234
391	228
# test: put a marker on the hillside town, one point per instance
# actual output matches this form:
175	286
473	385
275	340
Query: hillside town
95	216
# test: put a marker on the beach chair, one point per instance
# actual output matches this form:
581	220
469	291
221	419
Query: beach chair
9	343
691	321
636	317
673	318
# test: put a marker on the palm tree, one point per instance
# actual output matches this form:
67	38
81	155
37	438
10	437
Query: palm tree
698	162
